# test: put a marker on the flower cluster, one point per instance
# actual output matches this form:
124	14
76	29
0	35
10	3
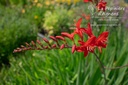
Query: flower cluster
100	4
84	46
90	44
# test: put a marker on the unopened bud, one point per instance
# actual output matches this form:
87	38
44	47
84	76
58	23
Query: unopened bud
62	46
45	40
60	37
54	45
53	38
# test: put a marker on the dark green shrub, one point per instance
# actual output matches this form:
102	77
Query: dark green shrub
15	30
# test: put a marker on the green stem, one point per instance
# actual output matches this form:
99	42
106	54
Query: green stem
102	67
114	68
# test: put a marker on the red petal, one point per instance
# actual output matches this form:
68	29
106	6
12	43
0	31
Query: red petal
103	36
101	40
90	41
65	34
79	32
100	49
73	48
87	1
88	31
79	49
85	53
81	35
72	35
78	23
81	42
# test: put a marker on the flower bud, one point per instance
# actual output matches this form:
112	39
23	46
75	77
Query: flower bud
62	46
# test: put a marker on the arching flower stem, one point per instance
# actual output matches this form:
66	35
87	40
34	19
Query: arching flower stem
102	67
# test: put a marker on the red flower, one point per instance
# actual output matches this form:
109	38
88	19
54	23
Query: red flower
82	49
87	46
79	30
70	36
101	5
88	30
78	23
87	1
101	40
92	42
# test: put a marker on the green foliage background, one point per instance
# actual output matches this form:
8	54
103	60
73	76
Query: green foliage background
14	31
55	67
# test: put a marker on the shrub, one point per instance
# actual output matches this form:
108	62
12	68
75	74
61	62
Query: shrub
57	21
15	29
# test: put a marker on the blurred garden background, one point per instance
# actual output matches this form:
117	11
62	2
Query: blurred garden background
26	20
